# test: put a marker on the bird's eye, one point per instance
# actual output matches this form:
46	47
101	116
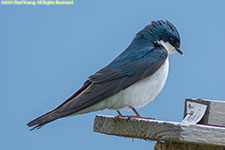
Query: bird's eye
171	40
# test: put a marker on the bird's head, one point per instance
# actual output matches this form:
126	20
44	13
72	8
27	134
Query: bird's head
162	33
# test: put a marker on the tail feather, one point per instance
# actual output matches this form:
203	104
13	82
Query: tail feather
42	120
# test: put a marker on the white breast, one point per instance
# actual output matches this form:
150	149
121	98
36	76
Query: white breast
142	92
137	95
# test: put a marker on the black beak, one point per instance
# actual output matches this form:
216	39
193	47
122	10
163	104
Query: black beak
179	51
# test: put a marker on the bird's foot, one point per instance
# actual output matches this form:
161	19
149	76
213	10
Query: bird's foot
134	116
138	115
148	118
129	117
120	115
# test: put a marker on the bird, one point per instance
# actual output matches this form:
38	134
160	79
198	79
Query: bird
131	80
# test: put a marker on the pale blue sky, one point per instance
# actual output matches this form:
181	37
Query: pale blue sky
47	52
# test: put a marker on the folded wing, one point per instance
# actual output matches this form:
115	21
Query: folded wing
105	83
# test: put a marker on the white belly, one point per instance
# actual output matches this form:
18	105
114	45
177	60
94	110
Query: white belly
137	95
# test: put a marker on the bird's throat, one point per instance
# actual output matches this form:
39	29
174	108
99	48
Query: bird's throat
170	48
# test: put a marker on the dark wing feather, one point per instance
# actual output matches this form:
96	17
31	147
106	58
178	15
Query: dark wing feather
106	83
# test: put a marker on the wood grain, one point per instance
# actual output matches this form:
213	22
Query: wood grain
160	130
182	146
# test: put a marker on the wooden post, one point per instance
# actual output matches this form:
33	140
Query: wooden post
172	135
215	112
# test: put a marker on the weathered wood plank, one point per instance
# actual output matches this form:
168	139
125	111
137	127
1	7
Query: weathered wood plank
160	130
215	113
182	146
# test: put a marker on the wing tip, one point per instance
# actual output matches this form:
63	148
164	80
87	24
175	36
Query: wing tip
36	123
42	120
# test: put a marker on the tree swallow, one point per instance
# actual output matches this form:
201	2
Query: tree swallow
131	80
